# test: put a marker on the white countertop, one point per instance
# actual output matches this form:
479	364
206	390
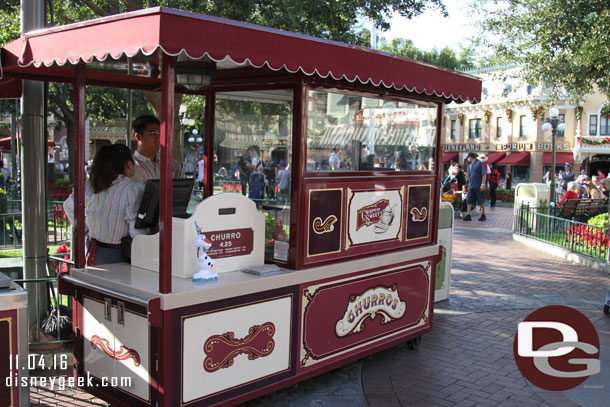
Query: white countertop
139	282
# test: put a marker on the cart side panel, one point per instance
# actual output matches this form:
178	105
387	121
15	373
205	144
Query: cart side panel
349	315
116	349
346	219
234	347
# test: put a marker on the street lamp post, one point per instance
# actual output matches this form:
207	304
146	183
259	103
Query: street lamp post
554	125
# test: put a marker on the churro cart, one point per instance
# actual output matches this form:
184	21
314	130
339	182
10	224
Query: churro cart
325	252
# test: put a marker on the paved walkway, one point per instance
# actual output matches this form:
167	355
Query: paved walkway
467	360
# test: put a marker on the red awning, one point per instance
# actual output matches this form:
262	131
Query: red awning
448	156
521	158
5	143
10	88
53	52
560	158
494	157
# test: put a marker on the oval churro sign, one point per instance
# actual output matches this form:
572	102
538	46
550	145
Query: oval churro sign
381	301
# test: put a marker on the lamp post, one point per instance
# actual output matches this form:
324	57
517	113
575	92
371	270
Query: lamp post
554	125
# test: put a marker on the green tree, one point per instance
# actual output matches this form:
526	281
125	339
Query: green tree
445	57
563	44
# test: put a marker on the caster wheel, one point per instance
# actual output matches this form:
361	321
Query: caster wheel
413	344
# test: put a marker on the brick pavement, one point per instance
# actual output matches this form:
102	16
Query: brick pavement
467	359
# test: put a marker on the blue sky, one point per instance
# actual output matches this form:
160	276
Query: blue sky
431	29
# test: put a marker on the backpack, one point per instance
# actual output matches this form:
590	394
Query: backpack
257	185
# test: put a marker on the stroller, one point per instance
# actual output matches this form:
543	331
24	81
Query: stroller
447	183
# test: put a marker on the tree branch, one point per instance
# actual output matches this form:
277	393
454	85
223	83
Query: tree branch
97	10
133	4
62	106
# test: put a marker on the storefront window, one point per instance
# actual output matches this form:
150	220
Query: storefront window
475	128
453	125
593	125
355	133
499	127
521	173
252	143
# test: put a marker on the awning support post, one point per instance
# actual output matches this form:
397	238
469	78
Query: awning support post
167	161
79	165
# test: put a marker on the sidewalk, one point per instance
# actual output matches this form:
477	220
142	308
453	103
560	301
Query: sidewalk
467	360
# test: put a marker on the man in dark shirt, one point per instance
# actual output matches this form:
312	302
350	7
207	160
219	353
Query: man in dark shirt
476	186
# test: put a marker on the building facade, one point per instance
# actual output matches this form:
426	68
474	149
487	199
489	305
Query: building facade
507	127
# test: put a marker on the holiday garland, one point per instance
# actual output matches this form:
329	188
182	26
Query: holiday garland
509	114
578	112
605	110
537	112
461	117
486	115
595	142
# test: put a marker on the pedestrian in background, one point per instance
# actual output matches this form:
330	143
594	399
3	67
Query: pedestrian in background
494	180
508	181
476	186
566	177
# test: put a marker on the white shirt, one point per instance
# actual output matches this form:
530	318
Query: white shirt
200	169
147	169
257	164
453	170
333	160
110	214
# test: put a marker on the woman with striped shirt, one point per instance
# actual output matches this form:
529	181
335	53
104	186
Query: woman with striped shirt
112	200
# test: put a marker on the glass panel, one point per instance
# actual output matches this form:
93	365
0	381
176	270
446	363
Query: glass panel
604	126
521	126
499	127
355	133
253	143
562	119
593	125
475	128
453	127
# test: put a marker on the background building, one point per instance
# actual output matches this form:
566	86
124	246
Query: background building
507	127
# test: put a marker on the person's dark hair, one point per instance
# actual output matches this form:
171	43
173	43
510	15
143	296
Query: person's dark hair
140	123
107	165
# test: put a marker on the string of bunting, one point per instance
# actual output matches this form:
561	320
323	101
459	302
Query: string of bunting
596	142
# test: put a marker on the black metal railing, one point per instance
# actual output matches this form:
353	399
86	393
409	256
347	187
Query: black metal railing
578	237
11	225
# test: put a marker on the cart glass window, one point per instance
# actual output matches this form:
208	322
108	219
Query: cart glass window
354	133
253	142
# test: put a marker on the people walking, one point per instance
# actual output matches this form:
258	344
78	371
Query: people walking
476	186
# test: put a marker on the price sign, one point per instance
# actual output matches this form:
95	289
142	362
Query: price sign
229	243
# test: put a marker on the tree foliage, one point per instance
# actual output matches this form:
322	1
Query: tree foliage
445	57
564	44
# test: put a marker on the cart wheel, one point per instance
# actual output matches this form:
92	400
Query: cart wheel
413	344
